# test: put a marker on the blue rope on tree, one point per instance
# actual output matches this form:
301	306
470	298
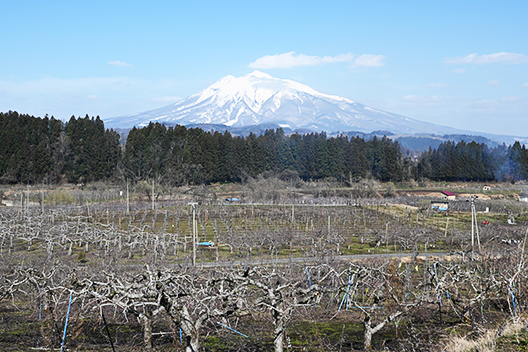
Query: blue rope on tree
66	324
238	332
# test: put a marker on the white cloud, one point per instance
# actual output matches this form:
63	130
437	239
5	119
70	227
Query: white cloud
437	85
484	102
410	97
484	106
435	100
502	57
509	99
92	97
291	59
525	85
512	106
369	60
493	83
119	64
459	70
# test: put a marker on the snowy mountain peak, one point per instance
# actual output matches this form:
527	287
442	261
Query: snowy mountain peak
258	98
258	74
257	87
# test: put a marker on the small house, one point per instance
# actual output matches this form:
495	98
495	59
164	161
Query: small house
449	195
523	199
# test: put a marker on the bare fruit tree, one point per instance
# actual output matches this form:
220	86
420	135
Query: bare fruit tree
190	299
281	293
374	289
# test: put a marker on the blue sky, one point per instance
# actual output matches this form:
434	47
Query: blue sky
462	64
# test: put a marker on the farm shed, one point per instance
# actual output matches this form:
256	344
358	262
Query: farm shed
449	195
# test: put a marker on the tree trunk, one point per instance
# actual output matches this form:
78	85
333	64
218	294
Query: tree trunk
278	342
147	331
193	343
367	333
190	330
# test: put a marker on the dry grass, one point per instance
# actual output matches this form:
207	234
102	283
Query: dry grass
488	340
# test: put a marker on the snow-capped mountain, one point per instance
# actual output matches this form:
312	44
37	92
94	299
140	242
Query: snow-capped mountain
258	98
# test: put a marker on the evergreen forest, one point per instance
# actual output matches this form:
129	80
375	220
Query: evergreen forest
36	150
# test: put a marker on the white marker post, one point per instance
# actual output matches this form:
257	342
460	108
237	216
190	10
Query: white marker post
194	232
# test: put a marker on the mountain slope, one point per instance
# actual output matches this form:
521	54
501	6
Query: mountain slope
258	98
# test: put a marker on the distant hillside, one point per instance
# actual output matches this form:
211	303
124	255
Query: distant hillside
414	143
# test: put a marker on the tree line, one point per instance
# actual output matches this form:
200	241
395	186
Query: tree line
35	150
195	156
473	162
45	149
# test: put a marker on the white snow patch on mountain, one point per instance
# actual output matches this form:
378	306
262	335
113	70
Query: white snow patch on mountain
259	98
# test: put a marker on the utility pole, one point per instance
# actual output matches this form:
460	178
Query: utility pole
194	232
42	209
474	224
152	194
128	199
27	200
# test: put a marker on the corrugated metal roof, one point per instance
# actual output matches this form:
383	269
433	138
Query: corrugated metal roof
449	194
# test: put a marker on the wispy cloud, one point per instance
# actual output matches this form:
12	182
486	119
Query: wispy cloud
459	70
369	60
483	106
435	100
493	83
291	59
119	64
504	105
438	85
525	85
502	57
